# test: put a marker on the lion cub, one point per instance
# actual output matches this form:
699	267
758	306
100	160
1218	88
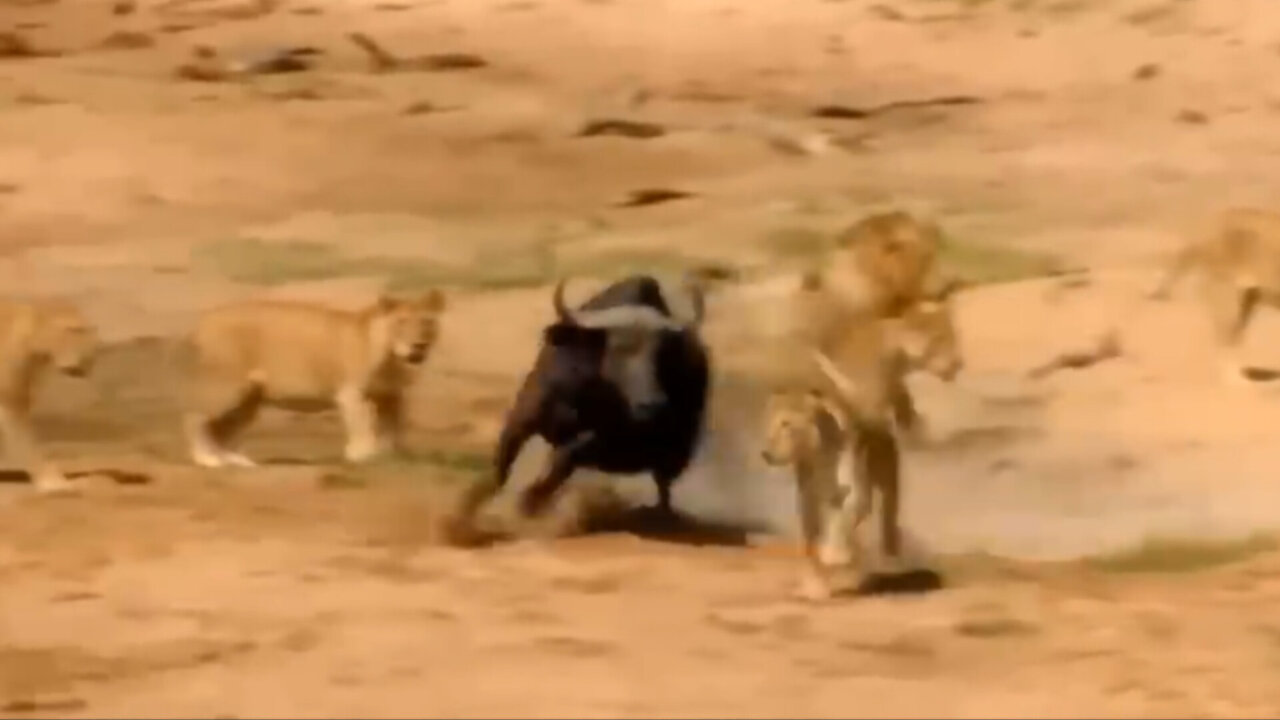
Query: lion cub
38	334
806	431
306	357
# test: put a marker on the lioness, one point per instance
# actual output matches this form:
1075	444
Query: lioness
37	334
306	357
883	262
1239	263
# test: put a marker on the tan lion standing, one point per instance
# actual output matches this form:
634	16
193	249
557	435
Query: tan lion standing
306	357
1239	265
840	439
38	334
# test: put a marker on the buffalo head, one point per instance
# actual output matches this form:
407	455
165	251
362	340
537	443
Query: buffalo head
627	340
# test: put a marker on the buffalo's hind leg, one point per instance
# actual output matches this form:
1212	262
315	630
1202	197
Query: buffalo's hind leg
664	481
663	515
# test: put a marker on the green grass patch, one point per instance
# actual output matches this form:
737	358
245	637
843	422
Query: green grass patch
982	264
465	460
798	241
994	627
436	465
623	261
257	262
977	263
472	461
513	269
1173	555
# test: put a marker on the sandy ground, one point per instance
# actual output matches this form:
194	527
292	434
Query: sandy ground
1093	133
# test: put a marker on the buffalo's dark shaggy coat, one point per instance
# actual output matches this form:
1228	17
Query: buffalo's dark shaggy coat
588	419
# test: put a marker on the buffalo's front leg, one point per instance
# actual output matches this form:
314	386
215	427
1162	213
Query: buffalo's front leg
563	461
458	526
512	440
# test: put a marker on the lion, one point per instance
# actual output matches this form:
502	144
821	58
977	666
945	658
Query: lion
39	334
839	432
883	262
879	351
1239	265
306	357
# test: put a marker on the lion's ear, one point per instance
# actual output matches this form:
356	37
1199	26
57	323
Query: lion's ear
387	303
433	300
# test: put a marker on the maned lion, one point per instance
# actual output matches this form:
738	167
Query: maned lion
38	334
1239	263
879	351
306	357
883	262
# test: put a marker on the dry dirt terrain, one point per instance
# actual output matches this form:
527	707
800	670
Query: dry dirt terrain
1105	534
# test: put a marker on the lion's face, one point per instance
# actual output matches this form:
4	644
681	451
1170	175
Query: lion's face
928	338
895	250
788	418
67	338
412	325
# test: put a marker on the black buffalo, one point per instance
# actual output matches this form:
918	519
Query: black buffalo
619	385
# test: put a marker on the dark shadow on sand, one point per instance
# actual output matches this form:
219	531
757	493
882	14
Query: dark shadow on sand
911	582
1261	374
117	476
679	528
641	522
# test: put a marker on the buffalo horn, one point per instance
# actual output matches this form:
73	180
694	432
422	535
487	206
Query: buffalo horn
557	301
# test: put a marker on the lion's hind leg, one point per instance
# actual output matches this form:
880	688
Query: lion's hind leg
1230	307
220	412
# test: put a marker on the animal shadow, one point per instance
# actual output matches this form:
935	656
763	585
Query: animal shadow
117	476
296	461
1261	374
979	439
679	528
911	582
